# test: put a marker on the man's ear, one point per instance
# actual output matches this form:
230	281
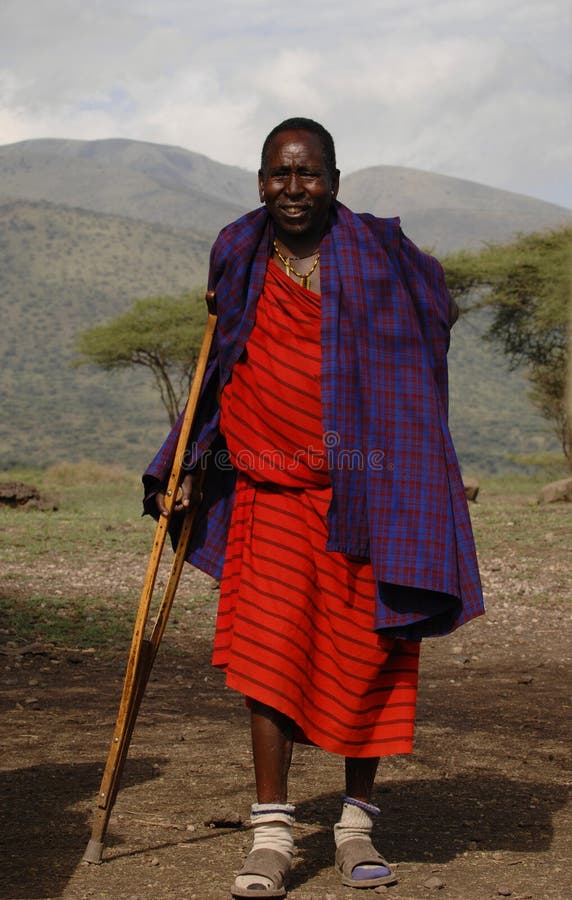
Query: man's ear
261	185
336	183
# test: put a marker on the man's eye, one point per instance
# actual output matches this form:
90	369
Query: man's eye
280	176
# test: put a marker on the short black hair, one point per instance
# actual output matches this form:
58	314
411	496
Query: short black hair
298	123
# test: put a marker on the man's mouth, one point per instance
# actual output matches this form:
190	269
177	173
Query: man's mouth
294	210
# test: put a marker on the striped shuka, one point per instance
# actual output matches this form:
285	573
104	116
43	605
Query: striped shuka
384	340
295	621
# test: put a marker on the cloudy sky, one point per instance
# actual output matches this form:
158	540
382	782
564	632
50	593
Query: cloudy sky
479	89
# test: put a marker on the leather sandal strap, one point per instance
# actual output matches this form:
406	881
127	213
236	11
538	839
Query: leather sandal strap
268	863
358	852
361	852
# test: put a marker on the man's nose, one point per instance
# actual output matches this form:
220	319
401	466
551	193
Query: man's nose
293	184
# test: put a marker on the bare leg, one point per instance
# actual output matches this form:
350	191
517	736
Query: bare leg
272	750
356	826
273	843
360	776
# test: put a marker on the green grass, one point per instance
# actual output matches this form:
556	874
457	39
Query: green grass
502	527
72	577
97	518
549	467
66	621
522	545
97	505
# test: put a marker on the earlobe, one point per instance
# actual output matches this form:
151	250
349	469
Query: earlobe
336	184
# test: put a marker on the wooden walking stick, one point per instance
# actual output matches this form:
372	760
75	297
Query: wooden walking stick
143	651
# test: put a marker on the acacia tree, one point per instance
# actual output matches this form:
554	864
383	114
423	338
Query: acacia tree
161	333
526	285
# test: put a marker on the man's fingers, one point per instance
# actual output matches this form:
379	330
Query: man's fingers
191	495
186	490
187	495
160	503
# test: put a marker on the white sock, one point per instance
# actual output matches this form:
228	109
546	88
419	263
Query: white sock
356	822
272	823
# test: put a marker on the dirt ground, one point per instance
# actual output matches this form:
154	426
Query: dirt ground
477	812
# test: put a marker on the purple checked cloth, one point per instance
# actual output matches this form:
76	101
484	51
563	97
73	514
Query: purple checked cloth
398	496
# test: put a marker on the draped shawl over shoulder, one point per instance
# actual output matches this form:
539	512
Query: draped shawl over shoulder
398	496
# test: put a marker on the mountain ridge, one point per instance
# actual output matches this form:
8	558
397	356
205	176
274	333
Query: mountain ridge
174	186
138	220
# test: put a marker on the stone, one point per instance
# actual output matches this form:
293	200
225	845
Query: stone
556	492
434	883
17	493
226	818
472	487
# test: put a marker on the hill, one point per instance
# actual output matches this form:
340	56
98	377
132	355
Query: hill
151	182
172	186
447	214
62	270
133	219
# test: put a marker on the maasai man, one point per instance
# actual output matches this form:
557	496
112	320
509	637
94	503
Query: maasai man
333	510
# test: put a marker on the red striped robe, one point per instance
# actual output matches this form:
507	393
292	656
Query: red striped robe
295	622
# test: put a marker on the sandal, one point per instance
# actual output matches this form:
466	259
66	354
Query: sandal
360	852
266	863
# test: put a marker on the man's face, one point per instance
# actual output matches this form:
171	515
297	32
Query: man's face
296	186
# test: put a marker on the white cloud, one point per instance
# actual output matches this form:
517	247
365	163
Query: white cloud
471	88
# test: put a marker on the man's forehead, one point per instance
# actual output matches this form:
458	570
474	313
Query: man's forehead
294	143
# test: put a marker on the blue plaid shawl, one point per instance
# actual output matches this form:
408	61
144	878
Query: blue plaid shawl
398	496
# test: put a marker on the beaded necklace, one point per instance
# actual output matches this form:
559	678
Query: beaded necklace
287	262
